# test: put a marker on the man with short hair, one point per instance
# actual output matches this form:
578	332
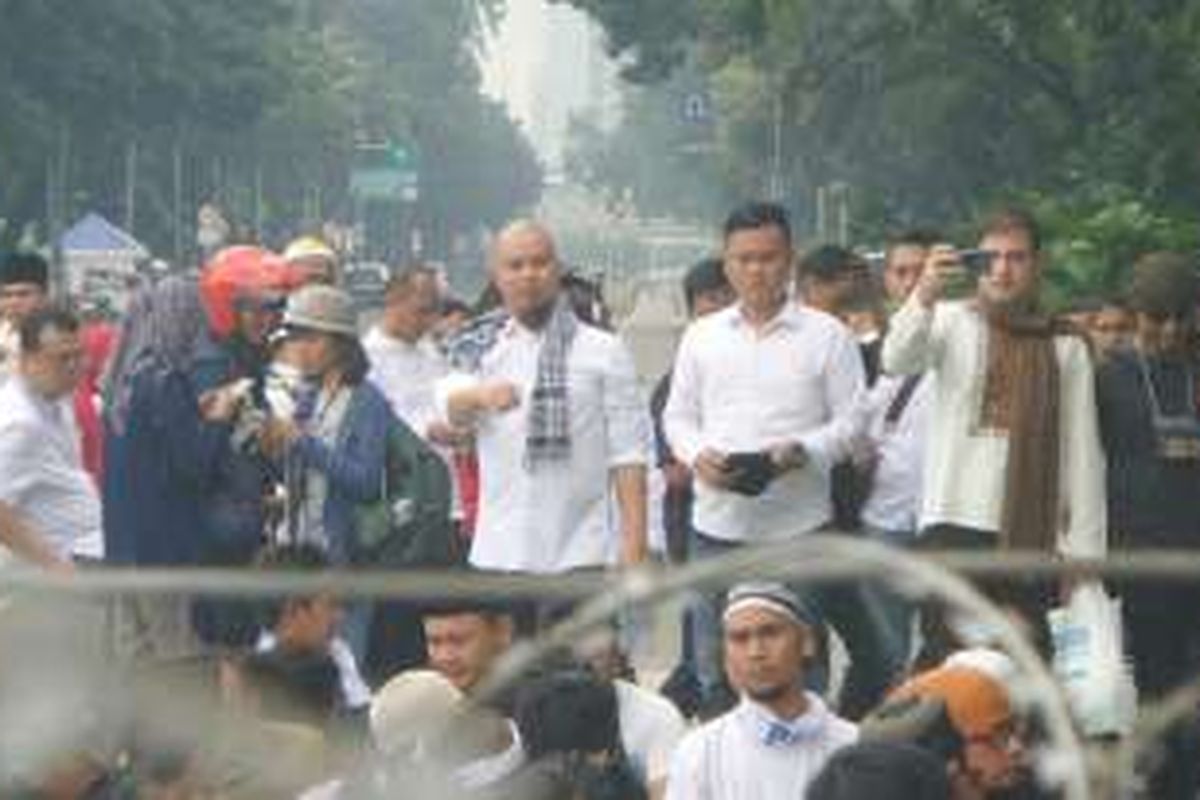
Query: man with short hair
904	262
776	740
890	456
464	642
51	502
405	362
761	408
559	421
828	275
1013	458
24	282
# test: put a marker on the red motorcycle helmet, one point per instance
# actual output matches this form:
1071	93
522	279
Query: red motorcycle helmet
242	274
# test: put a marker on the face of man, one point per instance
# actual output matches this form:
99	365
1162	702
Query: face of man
764	653
995	761
758	262
1015	271
464	647
904	265
311	624
54	369
411	314
19	300
525	270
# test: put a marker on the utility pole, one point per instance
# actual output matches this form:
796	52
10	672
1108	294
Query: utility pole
131	165
775	168
177	203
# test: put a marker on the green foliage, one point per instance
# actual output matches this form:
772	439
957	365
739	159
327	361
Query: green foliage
933	110
1094	240
247	99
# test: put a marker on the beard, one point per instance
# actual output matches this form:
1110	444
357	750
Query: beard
768	694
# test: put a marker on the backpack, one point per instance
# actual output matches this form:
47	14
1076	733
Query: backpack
410	525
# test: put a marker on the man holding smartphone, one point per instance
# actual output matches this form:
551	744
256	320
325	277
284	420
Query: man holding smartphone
1013	459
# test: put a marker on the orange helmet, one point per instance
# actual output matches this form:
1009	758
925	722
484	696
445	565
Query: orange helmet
242	274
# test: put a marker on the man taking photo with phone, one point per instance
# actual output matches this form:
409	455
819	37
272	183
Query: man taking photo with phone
1013	458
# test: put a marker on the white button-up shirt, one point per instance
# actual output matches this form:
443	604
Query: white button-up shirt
736	389
406	374
554	517
42	474
965	462
729	758
899	450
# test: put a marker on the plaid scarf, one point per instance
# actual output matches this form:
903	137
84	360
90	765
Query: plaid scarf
548	435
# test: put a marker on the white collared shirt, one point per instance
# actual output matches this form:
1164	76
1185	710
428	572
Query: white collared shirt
406	373
735	389
729	759
42	474
899	447
554	517
966	463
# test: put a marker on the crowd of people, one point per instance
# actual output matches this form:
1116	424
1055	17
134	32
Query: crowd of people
242	418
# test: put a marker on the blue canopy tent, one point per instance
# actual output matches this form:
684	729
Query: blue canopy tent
100	260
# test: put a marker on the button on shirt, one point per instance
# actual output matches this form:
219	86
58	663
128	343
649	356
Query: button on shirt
734	389
749	754
42	474
556	516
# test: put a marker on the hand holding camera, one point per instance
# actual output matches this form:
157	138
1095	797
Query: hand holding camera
951	274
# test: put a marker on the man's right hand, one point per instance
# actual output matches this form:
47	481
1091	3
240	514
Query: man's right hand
499	396
942	266
710	467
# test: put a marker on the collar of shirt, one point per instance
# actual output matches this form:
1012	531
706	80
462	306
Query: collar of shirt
772	731
789	316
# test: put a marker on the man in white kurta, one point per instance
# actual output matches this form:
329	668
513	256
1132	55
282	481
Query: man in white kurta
965	479
776	740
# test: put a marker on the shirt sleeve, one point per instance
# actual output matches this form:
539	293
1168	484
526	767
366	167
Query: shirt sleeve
681	419
1082	471
625	412
845	395
912	344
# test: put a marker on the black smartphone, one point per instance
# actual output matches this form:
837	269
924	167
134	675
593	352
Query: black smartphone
976	262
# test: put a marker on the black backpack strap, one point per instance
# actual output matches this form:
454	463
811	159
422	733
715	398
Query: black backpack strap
901	399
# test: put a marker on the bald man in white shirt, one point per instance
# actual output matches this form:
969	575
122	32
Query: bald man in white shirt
560	423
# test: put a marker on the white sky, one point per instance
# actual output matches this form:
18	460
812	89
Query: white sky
514	55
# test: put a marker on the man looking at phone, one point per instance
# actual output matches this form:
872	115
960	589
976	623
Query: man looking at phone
1013	458
759	408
